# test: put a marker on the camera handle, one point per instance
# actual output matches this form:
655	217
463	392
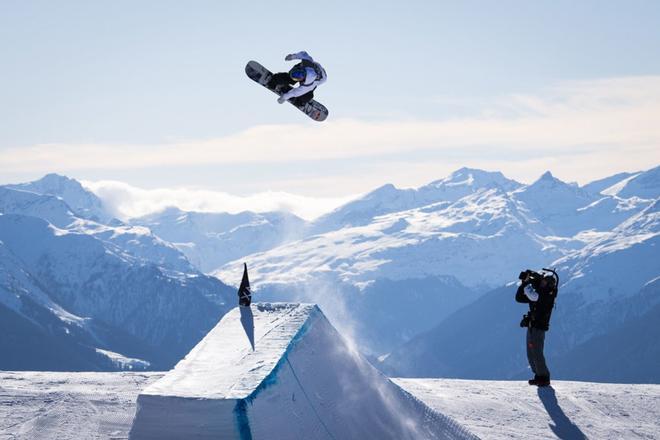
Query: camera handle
554	274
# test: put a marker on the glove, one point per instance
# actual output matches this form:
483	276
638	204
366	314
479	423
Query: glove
281	100
288	57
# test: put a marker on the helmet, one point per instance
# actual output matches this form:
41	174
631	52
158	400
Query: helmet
298	74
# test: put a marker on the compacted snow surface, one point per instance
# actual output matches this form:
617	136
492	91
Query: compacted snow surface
68	406
567	410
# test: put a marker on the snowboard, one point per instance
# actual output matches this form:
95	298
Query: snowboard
261	75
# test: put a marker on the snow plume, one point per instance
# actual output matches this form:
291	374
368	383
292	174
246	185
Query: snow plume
127	201
334	301
397	402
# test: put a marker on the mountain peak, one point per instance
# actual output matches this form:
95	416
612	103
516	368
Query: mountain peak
466	170
474	178
54	177
547	176
82	201
388	188
548	180
51	184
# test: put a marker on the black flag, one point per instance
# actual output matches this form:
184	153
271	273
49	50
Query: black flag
244	292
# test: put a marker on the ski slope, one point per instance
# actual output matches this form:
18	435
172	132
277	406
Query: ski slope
36	405
567	410
72	406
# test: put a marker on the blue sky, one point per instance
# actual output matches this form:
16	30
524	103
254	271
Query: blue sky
153	94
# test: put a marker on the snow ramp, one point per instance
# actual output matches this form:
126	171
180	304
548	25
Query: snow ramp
301	380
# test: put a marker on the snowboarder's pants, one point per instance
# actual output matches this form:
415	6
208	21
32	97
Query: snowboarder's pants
535	341
283	82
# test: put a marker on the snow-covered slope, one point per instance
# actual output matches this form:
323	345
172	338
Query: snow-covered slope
464	229
369	277
502	410
71	406
644	185
466	181
83	202
619	263
138	242
568	209
609	284
36	331
49	405
597	186
93	295
47	207
480	228
558	205
467	233
465	239
281	371
388	199
211	239
78	276
627	350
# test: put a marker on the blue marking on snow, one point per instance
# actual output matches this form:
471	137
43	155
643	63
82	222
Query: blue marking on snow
271	378
242	420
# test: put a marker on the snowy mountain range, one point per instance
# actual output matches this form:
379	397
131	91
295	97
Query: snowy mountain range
210	240
482	217
84	203
388	268
604	327
476	227
98	296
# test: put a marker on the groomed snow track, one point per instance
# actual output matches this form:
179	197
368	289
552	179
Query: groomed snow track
302	380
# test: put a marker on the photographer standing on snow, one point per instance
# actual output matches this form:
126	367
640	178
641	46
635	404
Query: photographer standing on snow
539	290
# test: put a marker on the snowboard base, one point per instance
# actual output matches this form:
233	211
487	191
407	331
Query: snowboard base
261	75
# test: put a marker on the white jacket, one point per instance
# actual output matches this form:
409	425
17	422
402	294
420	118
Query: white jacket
312	79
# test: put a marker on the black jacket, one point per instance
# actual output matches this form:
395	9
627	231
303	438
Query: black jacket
540	310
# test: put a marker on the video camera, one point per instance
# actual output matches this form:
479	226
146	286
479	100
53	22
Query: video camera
529	275
550	278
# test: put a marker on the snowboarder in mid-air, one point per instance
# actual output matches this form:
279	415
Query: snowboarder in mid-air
295	86
539	290
307	75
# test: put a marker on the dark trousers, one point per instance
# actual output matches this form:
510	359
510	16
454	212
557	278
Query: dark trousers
535	342
282	83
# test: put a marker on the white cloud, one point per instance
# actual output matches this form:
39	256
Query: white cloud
581	130
126	201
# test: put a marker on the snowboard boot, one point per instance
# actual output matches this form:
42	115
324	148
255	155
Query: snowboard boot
279	83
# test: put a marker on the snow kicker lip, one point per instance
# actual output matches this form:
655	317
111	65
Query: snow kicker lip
302	380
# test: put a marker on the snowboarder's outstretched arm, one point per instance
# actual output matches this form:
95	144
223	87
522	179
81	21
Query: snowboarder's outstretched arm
302	55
